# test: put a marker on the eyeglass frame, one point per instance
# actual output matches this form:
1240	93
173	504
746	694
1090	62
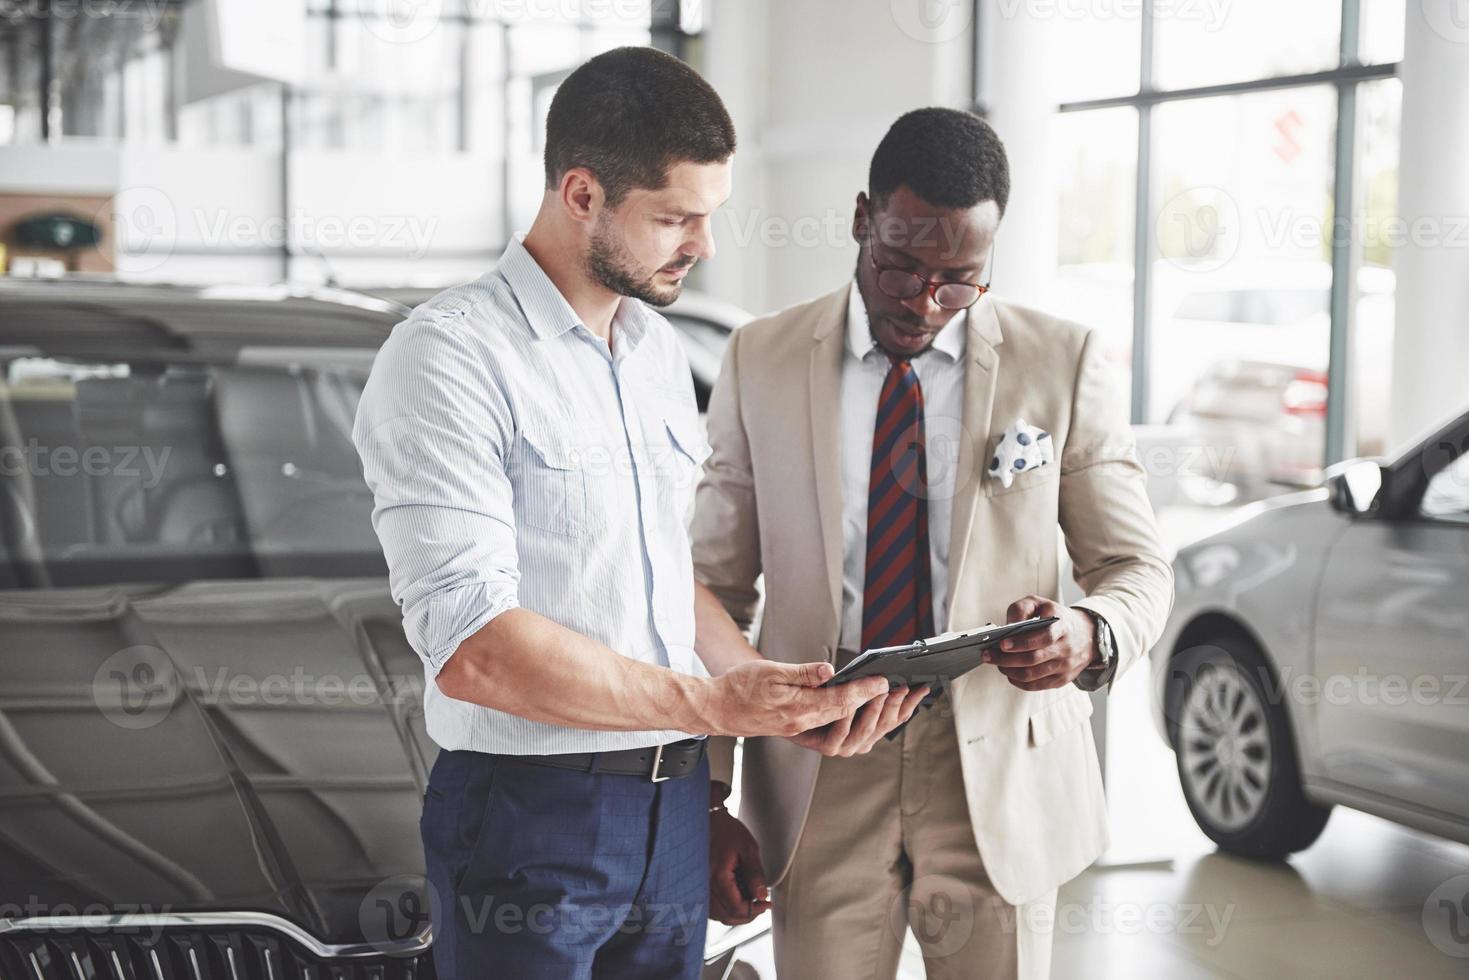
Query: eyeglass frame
931	287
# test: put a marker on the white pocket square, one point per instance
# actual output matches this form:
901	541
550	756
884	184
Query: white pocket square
1022	447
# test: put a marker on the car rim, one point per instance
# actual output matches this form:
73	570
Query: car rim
1224	748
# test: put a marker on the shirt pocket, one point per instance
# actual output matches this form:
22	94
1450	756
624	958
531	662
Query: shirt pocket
680	465
551	486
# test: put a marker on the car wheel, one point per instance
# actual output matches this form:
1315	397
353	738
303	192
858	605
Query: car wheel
1236	755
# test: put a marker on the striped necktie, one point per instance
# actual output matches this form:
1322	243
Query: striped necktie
897	598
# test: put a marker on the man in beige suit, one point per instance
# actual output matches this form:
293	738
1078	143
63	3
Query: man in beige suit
961	826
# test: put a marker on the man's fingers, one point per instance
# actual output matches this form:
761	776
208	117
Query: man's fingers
910	704
754	870
1022	608
864	689
884	721
1045	683
1035	672
1035	639
836	734
913	700
1023	658
844	699
812	674
725	888
864	729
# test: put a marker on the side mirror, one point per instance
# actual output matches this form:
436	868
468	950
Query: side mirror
1353	486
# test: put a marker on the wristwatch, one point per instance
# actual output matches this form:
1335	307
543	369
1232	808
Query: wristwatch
1106	644
1104	661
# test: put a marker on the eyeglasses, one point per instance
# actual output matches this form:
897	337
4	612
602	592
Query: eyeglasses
902	284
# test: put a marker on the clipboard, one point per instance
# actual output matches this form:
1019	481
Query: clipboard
935	660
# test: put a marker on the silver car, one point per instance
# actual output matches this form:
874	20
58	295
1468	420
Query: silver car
1318	653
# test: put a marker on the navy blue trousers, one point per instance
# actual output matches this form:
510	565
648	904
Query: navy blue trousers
540	872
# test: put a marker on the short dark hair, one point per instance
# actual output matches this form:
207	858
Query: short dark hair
951	159
629	114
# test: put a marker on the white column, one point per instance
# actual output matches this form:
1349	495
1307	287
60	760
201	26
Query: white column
1021	106
1431	345
812	86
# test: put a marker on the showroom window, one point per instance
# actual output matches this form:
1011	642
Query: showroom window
139	471
1226	186
370	90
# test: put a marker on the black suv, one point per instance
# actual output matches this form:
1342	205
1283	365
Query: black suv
212	751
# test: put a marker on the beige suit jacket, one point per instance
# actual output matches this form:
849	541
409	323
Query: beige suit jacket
771	503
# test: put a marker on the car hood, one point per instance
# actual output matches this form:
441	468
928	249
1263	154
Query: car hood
220	746
1267	540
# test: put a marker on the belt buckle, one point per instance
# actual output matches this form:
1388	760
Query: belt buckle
653	776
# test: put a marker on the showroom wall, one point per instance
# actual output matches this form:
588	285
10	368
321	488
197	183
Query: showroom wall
809	114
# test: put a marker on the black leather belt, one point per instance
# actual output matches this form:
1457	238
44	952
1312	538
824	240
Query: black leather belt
656	763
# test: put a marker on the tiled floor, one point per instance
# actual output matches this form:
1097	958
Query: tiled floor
1353	905
1163	903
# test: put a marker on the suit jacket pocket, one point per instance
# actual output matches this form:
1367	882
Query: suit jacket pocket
1059	715
1042	476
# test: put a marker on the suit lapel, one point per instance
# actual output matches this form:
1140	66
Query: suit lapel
825	385
981	374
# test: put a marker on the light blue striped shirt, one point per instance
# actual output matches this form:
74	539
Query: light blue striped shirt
516	461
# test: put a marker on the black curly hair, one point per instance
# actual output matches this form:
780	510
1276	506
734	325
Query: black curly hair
629	114
950	158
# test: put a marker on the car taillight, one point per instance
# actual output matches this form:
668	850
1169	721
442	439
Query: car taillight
1305	395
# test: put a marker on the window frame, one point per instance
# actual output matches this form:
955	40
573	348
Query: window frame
1349	73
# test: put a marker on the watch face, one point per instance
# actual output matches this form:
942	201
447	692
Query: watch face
1105	644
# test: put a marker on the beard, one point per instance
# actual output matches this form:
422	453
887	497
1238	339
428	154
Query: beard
610	266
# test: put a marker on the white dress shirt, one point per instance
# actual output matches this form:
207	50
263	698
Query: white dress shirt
516	460
940	372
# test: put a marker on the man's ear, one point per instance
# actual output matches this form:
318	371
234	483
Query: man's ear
581	194
861	218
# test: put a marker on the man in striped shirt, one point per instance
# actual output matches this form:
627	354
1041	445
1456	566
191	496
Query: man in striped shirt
533	446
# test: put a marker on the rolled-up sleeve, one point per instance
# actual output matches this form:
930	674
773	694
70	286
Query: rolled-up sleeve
434	429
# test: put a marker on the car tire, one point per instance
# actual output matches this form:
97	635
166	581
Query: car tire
1236	754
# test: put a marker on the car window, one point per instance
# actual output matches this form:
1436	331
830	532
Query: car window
1280	307
139	472
1447	496
703	343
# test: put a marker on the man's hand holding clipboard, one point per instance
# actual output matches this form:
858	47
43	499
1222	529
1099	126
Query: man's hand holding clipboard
1051	657
938	659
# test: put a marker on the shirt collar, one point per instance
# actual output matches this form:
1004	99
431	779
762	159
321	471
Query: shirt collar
545	309
548	312
949	342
